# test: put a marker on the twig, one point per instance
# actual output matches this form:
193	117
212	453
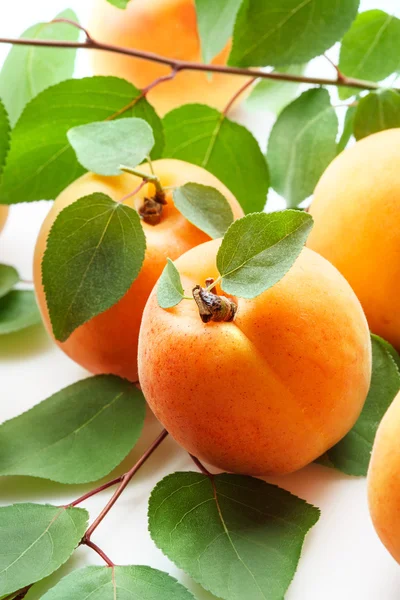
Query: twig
340	76
19	594
99	551
124	482
200	466
238	93
181	65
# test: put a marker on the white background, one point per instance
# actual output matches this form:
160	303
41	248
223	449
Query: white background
342	559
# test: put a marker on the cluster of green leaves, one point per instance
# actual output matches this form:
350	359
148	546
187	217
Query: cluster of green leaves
83	432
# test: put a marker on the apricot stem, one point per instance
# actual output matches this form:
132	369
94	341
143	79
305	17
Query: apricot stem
200	466
98	551
213	307
151	209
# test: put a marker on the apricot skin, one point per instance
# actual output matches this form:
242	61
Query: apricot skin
384	480
166	27
356	210
108	342
3	215
270	391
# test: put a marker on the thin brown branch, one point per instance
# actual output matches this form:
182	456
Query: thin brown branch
99	551
181	65
19	594
200	466
124	482
89	38
97	490
340	76
237	94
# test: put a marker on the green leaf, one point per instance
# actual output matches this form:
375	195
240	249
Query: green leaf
259	249
302	144
18	310
119	3
8	278
5	132
215	21
205	207
352	454
169	288
77	435
288	31
203	136
273	95
347	129
237	536
94	253
129	582
28	70
370	49
375	112
41	162
104	146
35	540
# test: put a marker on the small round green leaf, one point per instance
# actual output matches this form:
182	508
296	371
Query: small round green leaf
102	419
285	32
18	310
352	454
239	537
35	540
259	249
8	278
370	49
375	112
205	207
302	144
169	288
39	139
129	582
103	146
28	70
94	253
201	135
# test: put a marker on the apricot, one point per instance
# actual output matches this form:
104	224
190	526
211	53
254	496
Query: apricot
384	480
108	342
166	27
270	391
356	211
3	215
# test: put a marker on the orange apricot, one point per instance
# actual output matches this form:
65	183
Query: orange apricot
3	215
356	210
270	391
166	27
384	480
108	342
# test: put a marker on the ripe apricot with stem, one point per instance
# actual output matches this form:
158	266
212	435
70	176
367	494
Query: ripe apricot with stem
270	387
108	342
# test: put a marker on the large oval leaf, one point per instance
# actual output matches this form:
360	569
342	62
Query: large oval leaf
203	136
375	112
130	582
237	536
370	49
94	252
28	70
77	435
35	540
302	144
259	249
215	21
39	140
288	31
